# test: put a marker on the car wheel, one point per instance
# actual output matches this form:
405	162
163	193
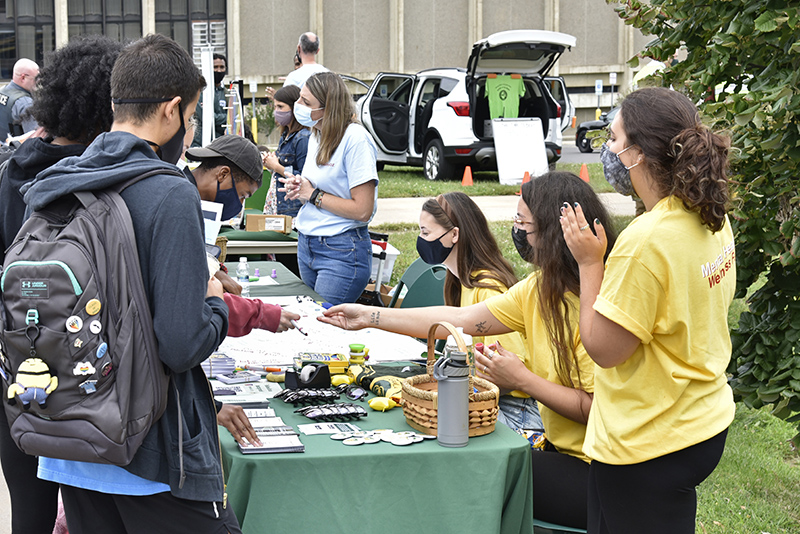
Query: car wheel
435	165
584	145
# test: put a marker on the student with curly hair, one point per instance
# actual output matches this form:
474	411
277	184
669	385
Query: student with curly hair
654	318
544	309
73	105
453	231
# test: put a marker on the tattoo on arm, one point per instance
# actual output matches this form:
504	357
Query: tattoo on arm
482	327
375	318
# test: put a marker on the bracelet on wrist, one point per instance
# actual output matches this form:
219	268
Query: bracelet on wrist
318	200
313	198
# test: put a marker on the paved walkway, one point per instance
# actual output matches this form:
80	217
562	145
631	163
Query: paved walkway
496	208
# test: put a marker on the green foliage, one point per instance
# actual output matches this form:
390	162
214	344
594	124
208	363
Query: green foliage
264	116
743	64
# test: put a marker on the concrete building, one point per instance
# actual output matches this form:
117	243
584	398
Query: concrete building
358	37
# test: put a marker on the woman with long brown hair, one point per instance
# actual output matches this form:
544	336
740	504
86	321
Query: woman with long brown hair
654	317
544	309
453	231
339	188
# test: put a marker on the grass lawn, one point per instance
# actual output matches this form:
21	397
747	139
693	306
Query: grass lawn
754	490
405	182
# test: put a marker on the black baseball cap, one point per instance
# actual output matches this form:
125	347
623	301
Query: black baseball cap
236	149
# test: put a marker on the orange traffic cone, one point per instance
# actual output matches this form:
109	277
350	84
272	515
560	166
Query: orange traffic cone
584	173
466	181
525	179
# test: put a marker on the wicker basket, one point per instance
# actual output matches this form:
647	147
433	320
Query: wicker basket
420	396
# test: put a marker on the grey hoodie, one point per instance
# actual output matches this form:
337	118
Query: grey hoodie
167	221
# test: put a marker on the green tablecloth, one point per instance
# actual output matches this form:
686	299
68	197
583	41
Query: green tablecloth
485	487
288	283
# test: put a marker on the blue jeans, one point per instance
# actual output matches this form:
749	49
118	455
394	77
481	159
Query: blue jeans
519	414
337	267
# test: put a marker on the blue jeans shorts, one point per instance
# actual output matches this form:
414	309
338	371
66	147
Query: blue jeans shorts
337	267
519	413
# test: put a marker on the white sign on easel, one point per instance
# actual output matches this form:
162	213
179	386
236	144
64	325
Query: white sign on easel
207	69
519	145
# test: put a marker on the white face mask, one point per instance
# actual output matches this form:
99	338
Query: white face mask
303	115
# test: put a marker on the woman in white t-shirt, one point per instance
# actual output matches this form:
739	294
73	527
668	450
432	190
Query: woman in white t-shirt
339	188
655	318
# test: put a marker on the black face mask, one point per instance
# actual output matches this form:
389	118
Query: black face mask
433	252
520	238
171	150
218	76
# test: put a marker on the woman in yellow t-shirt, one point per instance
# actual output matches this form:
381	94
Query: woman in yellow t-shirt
544	309
655	318
453	231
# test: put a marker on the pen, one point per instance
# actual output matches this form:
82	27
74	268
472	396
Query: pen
263	368
294	323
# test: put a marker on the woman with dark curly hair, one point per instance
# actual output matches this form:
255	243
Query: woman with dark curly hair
654	318
72	103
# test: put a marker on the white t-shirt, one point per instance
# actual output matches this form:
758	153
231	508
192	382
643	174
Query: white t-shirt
353	163
298	77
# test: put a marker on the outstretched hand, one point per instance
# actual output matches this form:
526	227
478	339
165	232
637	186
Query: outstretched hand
351	316
586	247
286	320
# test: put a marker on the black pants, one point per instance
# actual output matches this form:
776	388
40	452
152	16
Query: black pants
657	496
559	488
34	502
90	512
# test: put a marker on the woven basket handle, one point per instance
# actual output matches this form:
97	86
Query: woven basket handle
459	341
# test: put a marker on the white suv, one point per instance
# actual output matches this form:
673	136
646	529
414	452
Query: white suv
439	118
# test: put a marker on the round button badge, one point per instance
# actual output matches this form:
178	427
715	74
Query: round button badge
93	307
95	327
74	324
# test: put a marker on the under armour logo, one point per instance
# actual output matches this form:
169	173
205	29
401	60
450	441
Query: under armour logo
26	283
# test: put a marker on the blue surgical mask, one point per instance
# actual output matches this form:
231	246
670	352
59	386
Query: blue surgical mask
433	252
231	203
616	173
303	115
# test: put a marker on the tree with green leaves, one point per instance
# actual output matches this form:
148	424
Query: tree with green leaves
743	68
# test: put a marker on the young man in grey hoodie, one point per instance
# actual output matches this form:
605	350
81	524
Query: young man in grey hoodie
154	89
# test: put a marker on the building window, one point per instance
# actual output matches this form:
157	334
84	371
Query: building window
118	19
193	24
27	29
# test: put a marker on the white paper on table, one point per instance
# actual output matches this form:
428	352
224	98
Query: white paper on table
264	348
327	428
212	215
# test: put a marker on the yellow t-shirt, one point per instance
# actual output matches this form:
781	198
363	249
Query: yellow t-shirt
669	281
517	309
512	341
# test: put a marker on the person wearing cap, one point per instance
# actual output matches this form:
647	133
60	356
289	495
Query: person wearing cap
222	161
230	171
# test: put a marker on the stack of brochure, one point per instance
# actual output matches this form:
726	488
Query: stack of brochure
218	363
274	434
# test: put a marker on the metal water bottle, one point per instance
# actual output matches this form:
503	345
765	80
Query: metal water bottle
452	372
